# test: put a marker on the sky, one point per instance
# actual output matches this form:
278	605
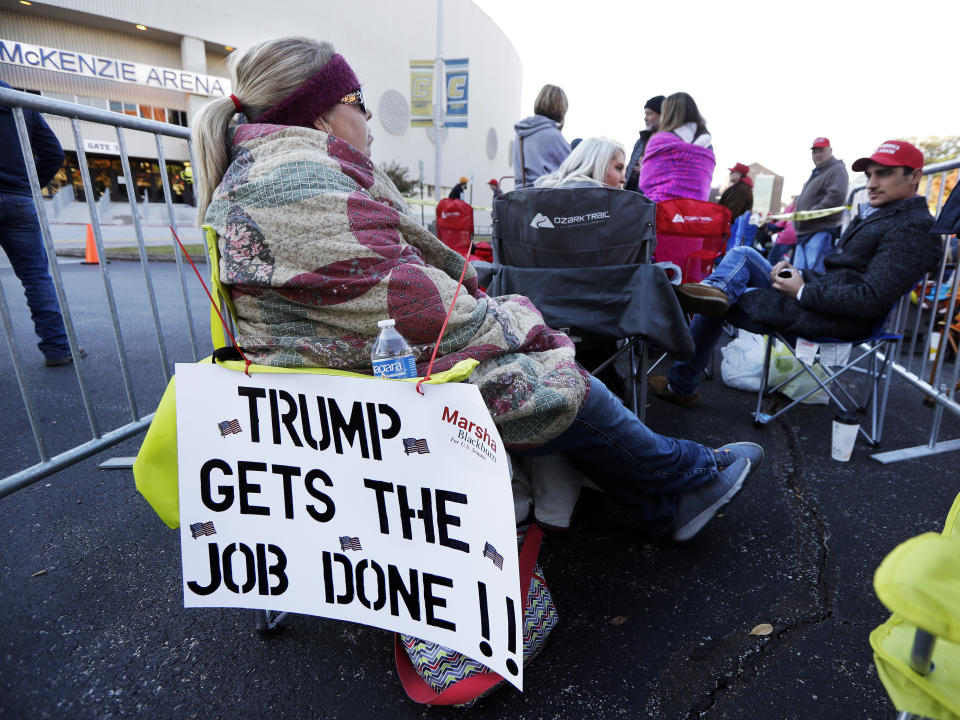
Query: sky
768	76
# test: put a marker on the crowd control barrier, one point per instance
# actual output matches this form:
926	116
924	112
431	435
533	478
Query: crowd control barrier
92	398
920	357
925	371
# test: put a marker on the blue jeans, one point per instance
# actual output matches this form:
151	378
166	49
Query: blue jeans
630	462
812	249
22	242
741	270
779	252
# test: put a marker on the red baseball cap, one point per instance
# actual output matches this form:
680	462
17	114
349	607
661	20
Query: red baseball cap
893	153
740	168
820	142
493	182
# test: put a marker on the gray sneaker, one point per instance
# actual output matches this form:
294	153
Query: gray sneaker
697	507
732	451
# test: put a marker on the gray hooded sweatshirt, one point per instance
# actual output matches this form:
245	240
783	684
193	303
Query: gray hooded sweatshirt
544	149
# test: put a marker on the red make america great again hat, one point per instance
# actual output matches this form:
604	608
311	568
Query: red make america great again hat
892	153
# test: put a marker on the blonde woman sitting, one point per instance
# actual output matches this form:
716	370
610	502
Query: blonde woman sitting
595	161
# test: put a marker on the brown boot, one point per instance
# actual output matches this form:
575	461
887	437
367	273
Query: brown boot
704	299
661	388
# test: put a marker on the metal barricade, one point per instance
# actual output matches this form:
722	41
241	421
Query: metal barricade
100	439
917	365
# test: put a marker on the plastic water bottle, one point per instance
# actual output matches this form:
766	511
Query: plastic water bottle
391	356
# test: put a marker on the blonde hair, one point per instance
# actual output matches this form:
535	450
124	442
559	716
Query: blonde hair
587	163
551	102
680	109
262	75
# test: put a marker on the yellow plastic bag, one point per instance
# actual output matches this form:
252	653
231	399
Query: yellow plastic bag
783	364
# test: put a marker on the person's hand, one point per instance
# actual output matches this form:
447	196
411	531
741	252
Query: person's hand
782	265
786	279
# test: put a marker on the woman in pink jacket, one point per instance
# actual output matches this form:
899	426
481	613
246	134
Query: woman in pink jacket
678	161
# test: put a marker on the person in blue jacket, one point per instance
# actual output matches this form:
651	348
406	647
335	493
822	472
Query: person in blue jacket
20	230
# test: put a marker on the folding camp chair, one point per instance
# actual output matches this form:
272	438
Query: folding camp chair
917	651
581	254
870	356
455	224
692	234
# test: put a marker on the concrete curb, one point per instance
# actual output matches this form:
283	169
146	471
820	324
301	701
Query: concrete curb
135	257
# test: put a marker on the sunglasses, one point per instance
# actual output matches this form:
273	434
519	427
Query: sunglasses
355	98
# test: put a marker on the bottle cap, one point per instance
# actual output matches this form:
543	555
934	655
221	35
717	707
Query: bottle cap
386	323
847	417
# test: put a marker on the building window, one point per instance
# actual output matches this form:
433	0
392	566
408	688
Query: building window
122	107
177	117
107	176
92	102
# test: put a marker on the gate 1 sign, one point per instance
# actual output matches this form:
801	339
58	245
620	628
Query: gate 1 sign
353	499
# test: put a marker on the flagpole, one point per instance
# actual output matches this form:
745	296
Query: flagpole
439	109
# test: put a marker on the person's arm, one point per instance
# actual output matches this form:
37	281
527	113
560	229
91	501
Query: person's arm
901	258
47	153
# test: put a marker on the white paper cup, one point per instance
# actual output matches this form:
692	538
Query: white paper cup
934	346
846	425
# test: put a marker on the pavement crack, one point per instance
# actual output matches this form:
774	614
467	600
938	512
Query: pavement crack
812	528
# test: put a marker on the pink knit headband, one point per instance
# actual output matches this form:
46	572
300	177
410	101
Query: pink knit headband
321	92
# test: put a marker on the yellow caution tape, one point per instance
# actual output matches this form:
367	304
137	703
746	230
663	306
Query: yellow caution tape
433	203
801	215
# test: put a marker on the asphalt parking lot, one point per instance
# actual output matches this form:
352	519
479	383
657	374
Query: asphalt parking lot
91	588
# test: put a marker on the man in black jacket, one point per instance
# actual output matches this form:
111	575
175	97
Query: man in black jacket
882	253
20	230
651	122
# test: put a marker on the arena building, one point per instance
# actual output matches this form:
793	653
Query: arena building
163	61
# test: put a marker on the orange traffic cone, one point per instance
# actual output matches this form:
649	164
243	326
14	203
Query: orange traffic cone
91	258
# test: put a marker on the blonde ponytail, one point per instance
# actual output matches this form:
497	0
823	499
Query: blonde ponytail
211	149
263	75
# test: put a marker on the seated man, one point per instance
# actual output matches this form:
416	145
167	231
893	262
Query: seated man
883	252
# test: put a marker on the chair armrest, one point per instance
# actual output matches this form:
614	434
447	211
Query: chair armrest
920	581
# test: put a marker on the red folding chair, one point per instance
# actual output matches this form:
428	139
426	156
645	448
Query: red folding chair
692	234
455	224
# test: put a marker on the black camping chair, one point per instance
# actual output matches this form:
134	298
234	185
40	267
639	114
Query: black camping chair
582	255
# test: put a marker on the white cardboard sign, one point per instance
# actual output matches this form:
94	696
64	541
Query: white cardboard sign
352	499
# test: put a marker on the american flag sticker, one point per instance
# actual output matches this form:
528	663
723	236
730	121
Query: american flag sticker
198	529
412	445
490	551
228	427
349	543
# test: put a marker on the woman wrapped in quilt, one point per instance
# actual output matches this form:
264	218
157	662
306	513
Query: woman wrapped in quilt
317	245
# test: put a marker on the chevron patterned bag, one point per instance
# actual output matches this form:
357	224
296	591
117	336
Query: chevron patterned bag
435	675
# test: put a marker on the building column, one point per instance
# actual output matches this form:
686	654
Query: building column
193	57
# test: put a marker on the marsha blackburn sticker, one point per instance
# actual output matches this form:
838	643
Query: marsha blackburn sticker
352	499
